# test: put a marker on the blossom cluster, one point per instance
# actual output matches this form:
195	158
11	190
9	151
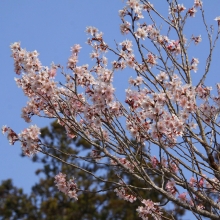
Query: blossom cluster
11	135
45	96
150	209
152	106
161	107
137	7
197	39
36	82
67	187
29	140
180	8
123	193
194	64
171	188
24	61
199	184
28	137
202	182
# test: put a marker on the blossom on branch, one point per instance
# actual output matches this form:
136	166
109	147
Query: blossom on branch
123	193
67	187
164	127
150	209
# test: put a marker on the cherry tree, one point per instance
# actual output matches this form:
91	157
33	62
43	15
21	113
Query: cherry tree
167	126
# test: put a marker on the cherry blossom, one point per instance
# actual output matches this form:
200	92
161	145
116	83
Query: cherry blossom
197	39
192	11
125	27
11	135
123	193
154	161
170	187
67	187
29	140
198	3
4	129
147	6
166	123
179	8
150	209
182	196
194	64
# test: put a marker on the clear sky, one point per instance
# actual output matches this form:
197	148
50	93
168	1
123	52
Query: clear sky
52	27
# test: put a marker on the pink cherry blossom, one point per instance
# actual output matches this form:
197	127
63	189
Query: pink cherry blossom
123	193
76	48
170	187
192	11
165	124
197	39
11	135
4	129
125	27
154	162
150	209
29	140
69	188
147	6
182	197
198	3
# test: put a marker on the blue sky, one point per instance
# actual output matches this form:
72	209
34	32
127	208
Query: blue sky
52	27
